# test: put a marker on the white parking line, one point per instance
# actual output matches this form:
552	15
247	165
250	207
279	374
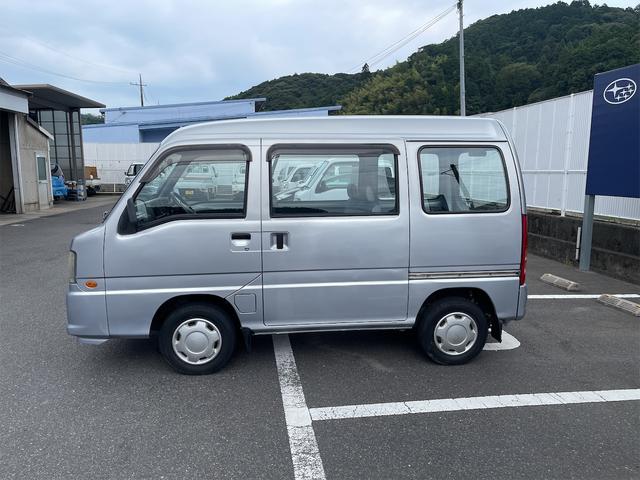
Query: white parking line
581	295
472	403
307	463
509	342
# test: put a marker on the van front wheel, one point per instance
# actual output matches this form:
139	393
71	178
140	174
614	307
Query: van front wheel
453	331
197	339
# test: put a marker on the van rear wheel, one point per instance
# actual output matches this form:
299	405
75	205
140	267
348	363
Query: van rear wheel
453	331
197	339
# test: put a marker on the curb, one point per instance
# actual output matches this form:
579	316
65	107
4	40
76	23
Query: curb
560	282
621	304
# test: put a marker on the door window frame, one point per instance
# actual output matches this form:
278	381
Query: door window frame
332	148
125	227
462	146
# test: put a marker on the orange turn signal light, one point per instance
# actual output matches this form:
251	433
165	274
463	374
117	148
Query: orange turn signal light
91	284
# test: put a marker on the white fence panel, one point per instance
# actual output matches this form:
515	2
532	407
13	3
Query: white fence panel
552	139
113	159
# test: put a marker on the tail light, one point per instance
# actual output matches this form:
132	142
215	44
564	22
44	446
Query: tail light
523	252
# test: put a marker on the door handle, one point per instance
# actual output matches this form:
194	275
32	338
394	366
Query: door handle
241	241
241	236
279	240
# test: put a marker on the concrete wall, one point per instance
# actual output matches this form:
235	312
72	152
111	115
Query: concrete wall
32	141
615	249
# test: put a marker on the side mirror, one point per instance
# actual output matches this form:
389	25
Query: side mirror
131	212
105	214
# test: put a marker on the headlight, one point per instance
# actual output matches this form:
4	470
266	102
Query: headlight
72	267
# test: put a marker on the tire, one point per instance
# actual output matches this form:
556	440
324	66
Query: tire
462	331
212	339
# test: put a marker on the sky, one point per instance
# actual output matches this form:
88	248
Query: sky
191	51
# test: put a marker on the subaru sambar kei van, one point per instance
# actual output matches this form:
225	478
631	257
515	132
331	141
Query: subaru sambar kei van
427	233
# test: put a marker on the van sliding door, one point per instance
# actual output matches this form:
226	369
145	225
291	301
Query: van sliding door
335	240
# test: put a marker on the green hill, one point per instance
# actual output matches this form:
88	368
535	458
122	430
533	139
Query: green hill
512	59
304	90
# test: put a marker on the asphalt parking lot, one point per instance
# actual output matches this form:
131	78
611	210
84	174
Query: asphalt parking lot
334	405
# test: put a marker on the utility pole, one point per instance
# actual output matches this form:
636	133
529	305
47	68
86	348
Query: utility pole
463	110
140	84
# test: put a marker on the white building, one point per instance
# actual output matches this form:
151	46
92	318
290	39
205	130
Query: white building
132	134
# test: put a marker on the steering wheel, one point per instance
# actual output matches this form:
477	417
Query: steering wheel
178	200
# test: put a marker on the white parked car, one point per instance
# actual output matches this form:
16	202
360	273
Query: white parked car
291	175
337	179
131	172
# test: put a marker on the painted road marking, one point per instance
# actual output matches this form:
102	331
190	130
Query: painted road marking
581	295
472	403
509	342
307	463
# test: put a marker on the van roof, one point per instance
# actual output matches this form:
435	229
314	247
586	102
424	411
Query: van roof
433	128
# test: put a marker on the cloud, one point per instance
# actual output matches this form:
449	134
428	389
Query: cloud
205	50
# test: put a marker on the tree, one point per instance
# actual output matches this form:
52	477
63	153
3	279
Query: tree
90	119
526	55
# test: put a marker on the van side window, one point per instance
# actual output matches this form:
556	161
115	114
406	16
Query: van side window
333	181
194	184
463	180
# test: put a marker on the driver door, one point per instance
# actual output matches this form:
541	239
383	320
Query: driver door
187	238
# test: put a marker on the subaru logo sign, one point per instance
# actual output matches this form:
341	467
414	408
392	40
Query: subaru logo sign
619	91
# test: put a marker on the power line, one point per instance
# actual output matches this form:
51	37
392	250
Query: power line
377	58
22	63
66	54
380	56
73	57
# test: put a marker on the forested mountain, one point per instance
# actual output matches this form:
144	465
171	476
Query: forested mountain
512	59
304	90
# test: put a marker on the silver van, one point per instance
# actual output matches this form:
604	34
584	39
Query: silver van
427	233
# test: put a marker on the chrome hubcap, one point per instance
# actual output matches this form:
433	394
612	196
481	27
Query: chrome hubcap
197	341
456	333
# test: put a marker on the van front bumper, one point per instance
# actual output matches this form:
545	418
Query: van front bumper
87	314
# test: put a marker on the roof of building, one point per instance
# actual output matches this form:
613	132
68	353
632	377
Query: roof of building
5	85
190	104
39	128
46	96
436	128
13	99
183	122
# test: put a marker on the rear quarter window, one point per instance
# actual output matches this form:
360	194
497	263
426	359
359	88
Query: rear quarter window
463	179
